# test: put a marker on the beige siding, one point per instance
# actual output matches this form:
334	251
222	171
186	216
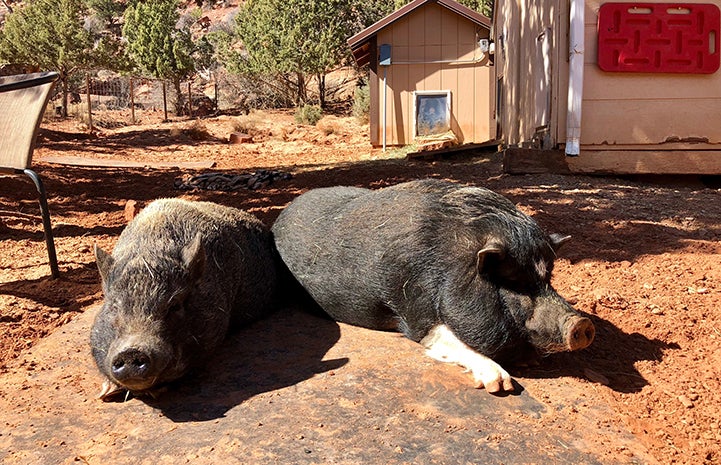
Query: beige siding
418	42
646	108
641	110
672	121
631	122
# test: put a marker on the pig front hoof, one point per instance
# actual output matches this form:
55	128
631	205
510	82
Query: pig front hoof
442	345
495	380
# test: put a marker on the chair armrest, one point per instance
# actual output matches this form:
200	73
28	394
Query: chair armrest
23	81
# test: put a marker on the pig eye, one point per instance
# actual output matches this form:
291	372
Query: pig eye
518	281
175	308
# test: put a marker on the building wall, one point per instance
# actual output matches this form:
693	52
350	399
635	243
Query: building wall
625	109
620	110
418	41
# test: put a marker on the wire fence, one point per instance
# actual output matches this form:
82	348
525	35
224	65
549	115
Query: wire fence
104	99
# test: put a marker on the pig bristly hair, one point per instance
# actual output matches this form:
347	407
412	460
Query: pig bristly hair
458	222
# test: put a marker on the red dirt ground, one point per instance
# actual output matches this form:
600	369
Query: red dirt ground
643	263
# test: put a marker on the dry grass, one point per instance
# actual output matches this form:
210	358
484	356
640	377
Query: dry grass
196	130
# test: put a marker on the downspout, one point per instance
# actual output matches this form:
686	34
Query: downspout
384	60
575	78
385	98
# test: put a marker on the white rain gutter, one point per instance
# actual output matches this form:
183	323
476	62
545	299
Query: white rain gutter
575	78
449	62
385	100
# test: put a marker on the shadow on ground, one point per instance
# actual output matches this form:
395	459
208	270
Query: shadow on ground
114	143
612	217
82	278
611	359
271	354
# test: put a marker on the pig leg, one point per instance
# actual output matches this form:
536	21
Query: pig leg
441	344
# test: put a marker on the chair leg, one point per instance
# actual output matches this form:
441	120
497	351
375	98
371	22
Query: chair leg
46	222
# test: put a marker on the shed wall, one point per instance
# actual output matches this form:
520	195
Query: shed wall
626	109
418	42
657	111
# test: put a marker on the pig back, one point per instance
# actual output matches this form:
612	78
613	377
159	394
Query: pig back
240	269
340	243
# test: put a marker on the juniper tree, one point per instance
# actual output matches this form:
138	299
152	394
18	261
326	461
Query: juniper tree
156	45
49	34
290	41
485	7
110	12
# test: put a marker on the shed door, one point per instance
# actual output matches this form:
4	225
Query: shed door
542	76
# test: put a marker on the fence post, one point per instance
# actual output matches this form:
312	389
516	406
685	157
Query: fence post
90	106
215	90
190	102
132	101
165	103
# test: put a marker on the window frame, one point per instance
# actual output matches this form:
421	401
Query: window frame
417	95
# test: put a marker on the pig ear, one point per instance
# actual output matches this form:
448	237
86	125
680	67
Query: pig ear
105	262
194	257
557	240
492	248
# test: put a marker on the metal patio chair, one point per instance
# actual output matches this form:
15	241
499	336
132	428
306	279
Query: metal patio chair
23	98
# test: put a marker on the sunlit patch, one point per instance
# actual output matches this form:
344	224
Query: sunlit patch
541	268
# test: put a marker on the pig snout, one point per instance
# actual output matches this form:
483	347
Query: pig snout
130	364
579	333
137	367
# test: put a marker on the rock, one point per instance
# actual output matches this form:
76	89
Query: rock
230	182
131	210
240	138
688	403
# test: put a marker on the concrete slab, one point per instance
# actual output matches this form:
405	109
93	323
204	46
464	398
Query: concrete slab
298	389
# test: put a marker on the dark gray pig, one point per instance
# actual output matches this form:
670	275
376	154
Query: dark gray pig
181	275
458	269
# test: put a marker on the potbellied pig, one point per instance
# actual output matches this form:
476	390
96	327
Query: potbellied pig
459	269
181	275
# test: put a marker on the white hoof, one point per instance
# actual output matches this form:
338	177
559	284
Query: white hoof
442	345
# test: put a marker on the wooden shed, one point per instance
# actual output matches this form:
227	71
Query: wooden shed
619	87
430	74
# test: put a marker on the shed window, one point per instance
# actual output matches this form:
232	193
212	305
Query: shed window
432	112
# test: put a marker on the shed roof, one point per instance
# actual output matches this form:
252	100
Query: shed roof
359	43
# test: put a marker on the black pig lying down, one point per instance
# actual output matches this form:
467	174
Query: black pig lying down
181	274
458	269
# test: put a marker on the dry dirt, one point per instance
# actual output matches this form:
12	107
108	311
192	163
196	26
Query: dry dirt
643	263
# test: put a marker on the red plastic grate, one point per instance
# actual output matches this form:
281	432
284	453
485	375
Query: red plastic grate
659	37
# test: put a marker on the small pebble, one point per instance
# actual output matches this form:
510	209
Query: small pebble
685	401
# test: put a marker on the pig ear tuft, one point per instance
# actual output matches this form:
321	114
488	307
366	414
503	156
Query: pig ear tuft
105	262
557	240
194	257
492	248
